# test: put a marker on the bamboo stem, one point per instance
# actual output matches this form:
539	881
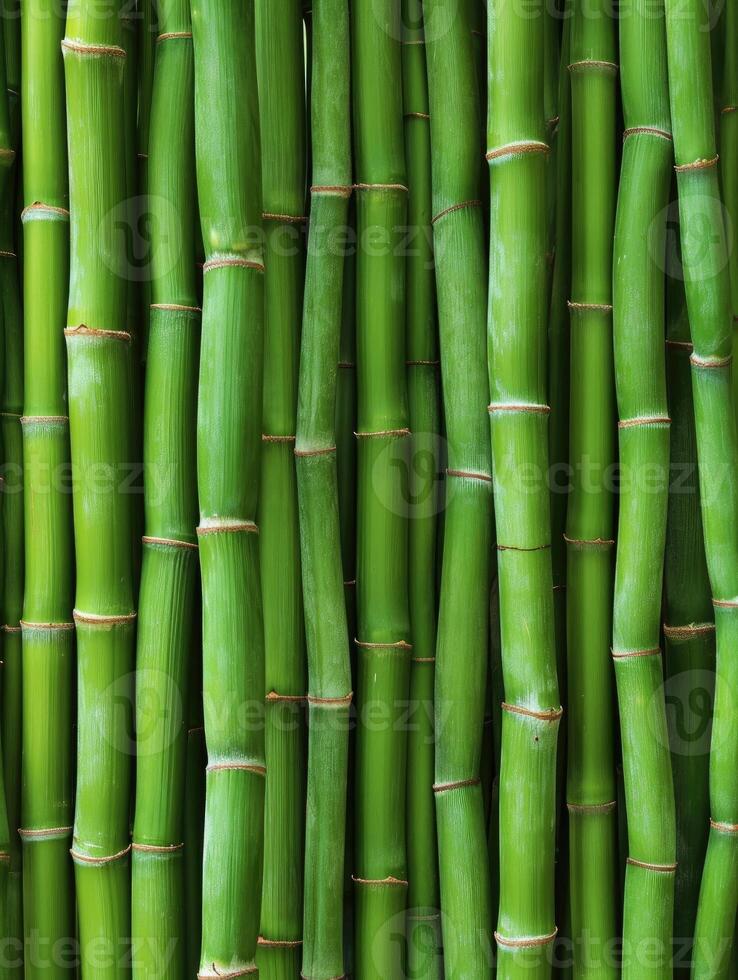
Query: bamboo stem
463	622
517	313
228	451
708	302
644	460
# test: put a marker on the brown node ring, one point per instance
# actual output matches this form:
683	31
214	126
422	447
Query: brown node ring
45	833
176	307
233	262
634	654
463	205
82	330
157	848
278	943
710	363
38	207
664	869
470	475
50	627
287	219
268	438
257	770
644	420
245	527
381	433
525	942
174	35
397	645
93	50
108	859
519	148
514	547
337	702
381	187
724	828
273	698
168	542
586	808
725	603
685	632
593	64
93	619
577	307
525	408
553	714
336	190
460	784
702	164
389	880
647	131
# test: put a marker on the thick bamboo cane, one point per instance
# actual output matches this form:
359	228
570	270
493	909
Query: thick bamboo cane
589	528
329	669
517	315
99	376
638	308
228	450
279	47
167	599
463	623
707	287
423	922
383	643
48	628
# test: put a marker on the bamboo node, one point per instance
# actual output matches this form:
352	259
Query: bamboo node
729	108
346	364
46	627
234	262
80	858
593	64
417	115
381	433
552	714
632	654
168	542
680	344
7	153
398	645
337	702
253	767
334	190
381	187
378	882
268	438
422	363
226	527
585	808
644	420
664	869
82	330
515	547
11	415
710	363
94	619
11	629
278	943
688	631
525	942
603	543
455	207
516	149
245	971
423	660
724	828
459	784
7	254
288	219
470	475
157	848
647	131
44	833
44	211
44	419
174	35
589	307
702	164
93	50
725	603
530	408
4	857
176	307
272	698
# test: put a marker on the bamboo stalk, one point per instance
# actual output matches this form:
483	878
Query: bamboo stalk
423	917
329	668
463	619
167	600
99	377
228	449
689	635
48	628
383	644
589	530
280	62
517	316
708	302
638	303
728	135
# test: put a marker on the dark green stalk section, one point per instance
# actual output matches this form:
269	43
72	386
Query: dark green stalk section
463	619
728	135
167	599
279	46
147	11
590	792
638	326
99	376
194	815
689	635
329	668
423	925
228	449
48	628
383	631
517	320
707	285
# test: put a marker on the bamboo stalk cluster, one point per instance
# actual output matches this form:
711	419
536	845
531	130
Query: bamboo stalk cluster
369	503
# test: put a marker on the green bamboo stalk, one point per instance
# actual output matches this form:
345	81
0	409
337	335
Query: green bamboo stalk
228	449
194	815
48	628
329	668
99	377
689	635
280	62
589	529
708	302
7	951
638	326
728	121
423	917
463	619
148	23
167	599
517	317
383	644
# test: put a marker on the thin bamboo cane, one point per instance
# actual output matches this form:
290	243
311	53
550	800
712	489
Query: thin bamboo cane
689	635
383	644
329	667
48	628
728	135
638	308
463	621
99	376
167	598
280	61
148	25
517	368
194	815
228	449
708	302
423	922
590	771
